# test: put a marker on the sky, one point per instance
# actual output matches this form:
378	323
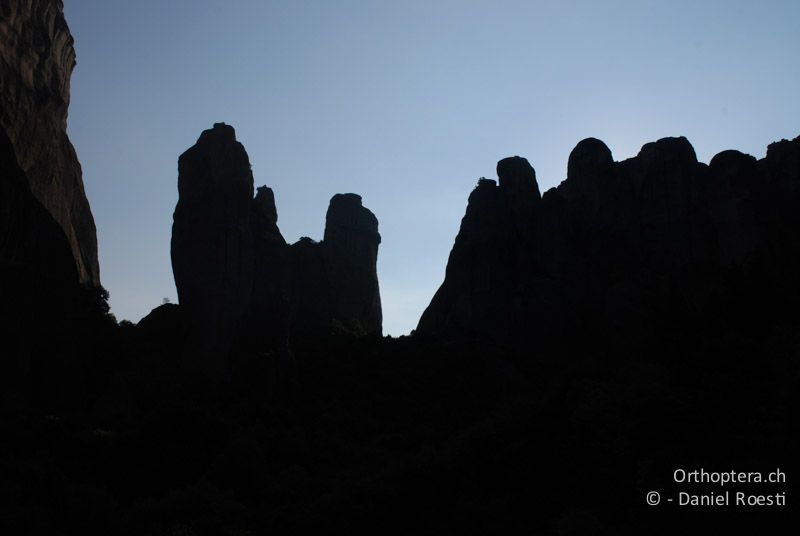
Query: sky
406	103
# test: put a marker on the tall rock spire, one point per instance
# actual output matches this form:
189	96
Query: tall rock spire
335	282
352	240
212	245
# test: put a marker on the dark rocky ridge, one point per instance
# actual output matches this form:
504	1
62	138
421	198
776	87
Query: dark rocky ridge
268	319
335	282
241	288
212	245
36	62
620	247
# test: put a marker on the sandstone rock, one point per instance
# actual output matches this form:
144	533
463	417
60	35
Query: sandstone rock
335	282
352	239
162	323
35	255
779	213
517	176
36	61
242	289
518	187
620	249
39	292
733	201
589	159
492	258
734	168
268	318
311	289
783	158
212	246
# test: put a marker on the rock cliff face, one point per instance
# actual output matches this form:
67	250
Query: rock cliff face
51	302
620	247
35	257
493	256
335	282
241	287
212	245
36	62
269	316
39	292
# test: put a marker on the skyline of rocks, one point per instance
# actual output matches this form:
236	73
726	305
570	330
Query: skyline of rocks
241	287
661	211
617	245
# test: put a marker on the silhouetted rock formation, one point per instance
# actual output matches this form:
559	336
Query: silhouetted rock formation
242	288
212	245
269	316
493	255
335	282
619	248
36	62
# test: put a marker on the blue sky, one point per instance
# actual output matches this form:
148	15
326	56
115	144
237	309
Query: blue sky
406	103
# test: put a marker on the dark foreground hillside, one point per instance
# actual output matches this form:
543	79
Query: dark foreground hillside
410	437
